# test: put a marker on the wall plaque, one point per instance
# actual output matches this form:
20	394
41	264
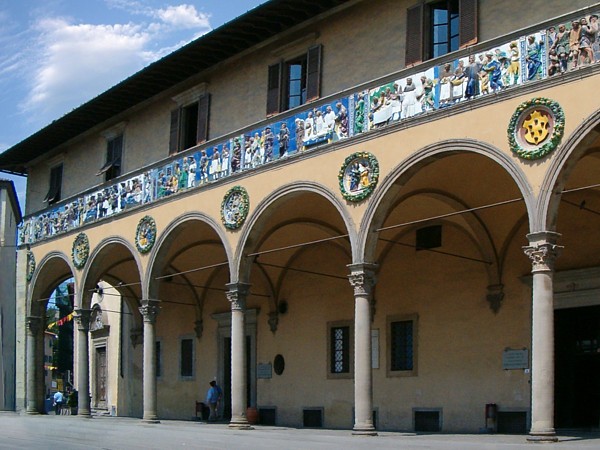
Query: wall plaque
264	371
513	359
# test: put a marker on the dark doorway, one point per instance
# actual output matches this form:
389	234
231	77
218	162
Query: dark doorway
227	375
577	385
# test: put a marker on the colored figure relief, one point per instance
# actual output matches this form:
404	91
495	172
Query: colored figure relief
564	46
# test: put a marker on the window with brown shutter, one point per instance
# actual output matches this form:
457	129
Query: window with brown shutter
436	28
54	191
294	82
189	125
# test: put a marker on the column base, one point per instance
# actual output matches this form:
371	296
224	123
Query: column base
240	424
542	437
32	413
151	418
364	432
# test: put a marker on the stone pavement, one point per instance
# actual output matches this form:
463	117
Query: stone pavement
73	432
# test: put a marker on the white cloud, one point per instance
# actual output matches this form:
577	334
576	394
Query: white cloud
76	62
184	16
79	61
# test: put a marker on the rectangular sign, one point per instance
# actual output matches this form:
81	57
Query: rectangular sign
513	359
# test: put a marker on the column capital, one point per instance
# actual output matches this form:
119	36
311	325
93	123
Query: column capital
149	310
362	277
33	324
542	250
82	318
237	295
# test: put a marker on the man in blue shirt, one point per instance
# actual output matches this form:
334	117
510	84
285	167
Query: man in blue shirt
58	402
213	397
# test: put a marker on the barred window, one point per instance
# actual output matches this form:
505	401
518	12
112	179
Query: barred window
340	350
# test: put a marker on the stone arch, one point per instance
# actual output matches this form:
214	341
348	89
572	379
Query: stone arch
561	166
255	222
45	279
380	202
92	272
158	253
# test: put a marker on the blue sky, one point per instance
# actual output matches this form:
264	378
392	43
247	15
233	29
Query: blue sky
57	54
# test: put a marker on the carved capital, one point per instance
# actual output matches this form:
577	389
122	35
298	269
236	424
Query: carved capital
199	328
362	278
273	321
237	296
542	256
33	324
149	310
82	319
495	295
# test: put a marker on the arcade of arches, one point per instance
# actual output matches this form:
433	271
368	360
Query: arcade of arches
402	303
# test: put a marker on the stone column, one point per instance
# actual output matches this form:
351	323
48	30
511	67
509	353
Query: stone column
33	328
542	251
362	279
237	297
82	319
149	311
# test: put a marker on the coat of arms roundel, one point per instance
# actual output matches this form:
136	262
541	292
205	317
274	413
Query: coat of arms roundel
234	207
358	176
145	234
81	250
30	265
536	128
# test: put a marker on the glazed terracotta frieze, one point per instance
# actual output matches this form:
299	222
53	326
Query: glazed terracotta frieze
516	62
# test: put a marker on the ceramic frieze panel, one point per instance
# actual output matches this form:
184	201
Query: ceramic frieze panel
572	44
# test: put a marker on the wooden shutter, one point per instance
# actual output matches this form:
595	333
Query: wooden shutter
174	134
203	112
414	35
467	10
313	73
274	89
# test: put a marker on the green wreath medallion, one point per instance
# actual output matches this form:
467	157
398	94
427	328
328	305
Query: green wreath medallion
81	250
235	207
145	234
536	128
30	265
358	176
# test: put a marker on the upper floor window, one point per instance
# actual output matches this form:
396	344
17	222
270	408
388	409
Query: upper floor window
189	125
55	188
295	81
402	337
186	367
114	150
439	27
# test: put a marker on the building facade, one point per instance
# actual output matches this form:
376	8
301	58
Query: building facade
10	217
367	215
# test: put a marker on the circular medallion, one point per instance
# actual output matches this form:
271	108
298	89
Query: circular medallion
358	176
234	207
30	265
536	128
145	235
81	250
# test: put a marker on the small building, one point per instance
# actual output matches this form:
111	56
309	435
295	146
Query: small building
10	218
